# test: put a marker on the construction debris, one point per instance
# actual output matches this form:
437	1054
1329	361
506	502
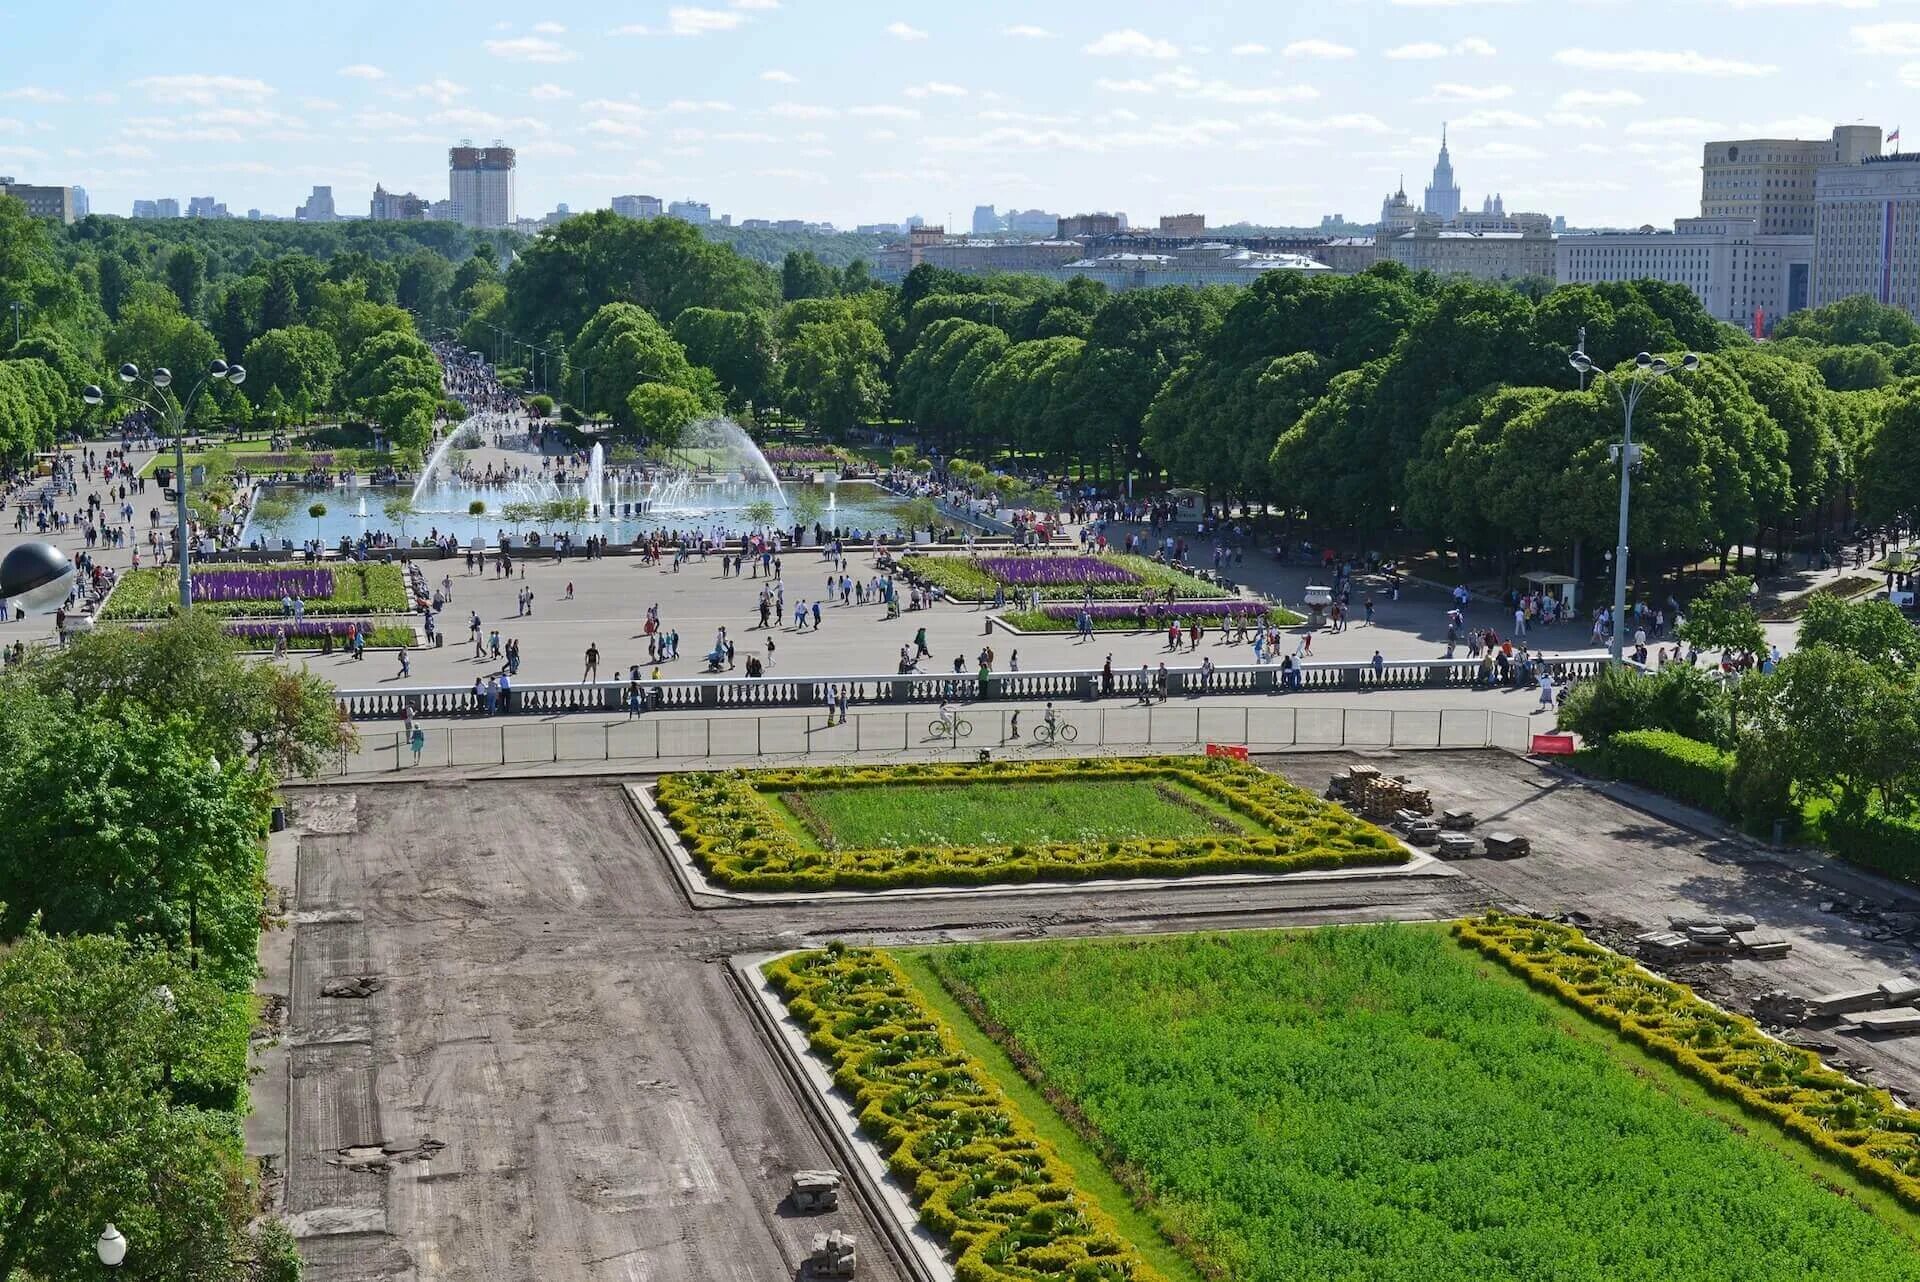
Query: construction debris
815	1191
1505	845
832	1255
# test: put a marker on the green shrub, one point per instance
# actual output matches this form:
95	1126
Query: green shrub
1673	765
1679	697
1883	842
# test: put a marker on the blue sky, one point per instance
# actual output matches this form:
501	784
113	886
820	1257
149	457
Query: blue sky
865	112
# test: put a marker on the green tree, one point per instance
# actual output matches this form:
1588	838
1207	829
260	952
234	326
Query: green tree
1722	617
661	413
804	276
836	373
98	1040
294	361
1872	630
622	347
737	347
1890	472
187	277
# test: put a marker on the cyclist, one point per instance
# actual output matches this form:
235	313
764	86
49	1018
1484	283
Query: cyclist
1053	720
949	719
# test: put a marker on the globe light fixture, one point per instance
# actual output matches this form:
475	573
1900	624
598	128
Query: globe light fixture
36	577
111	1247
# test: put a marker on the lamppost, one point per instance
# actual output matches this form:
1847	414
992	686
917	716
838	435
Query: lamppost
1647	370
172	408
110	1246
16	307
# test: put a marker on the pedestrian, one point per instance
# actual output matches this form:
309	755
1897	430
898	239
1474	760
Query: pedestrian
406	669
593	663
1546	690
417	741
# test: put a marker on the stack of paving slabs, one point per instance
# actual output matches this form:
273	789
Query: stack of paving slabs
1381	797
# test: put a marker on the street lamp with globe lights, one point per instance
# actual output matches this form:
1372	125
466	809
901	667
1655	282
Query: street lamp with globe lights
172	409
110	1246
1627	389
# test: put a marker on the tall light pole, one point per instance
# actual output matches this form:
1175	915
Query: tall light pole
1628	389
16	307
172	408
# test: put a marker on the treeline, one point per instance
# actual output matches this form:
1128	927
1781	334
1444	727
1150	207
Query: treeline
326	317
138	772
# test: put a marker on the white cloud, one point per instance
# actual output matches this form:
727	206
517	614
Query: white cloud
549	93
1128	43
1888	37
1249	50
1316	49
1660	62
1601	98
779	77
884	111
699	22
1450	4
1026	31
756	4
802	111
202	90
1511	151
466	118
882	135
616	128
1675	127
8	125
1496	118
901	31
442	91
1574	120
935	89
33	93
631	29
319	104
702	106
362	71
1475	46
745	135
530	49
1803	4
549	28
1469	93
1184	83
1910	75
1125	86
792	175
1420	49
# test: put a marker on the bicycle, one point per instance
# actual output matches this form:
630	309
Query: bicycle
958	728
1044	734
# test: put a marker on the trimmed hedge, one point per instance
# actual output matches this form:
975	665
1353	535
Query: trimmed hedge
740	841
983	1180
1674	765
1854	1124
1888	845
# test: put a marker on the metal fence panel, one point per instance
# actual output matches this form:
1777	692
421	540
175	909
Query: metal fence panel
1416	729
522	743
1463	727
479	746
734	736
1504	730
1270	725
580	741
683	736
636	738
1319	727
1222	725
1367	727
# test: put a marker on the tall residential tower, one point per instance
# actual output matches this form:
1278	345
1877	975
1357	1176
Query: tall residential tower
480	185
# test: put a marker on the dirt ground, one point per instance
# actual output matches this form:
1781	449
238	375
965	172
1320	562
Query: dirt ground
536	1068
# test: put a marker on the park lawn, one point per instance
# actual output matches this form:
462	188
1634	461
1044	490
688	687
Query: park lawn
970	814
1380	1102
359	588
995	822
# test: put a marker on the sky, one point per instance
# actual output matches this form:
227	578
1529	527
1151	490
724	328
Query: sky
860	112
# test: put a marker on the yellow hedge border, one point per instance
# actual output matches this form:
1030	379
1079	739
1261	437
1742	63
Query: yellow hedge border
731	830
1857	1125
983	1180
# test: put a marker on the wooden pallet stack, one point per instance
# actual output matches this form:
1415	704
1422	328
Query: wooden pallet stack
1381	797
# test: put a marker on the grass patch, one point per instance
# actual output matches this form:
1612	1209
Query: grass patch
967	824
358	588
1844	588
1146	620
1382	1102
972	814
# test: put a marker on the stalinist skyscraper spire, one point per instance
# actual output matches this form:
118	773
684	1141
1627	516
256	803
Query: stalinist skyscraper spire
1443	194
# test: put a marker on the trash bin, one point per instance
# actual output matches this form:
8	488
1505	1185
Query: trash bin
279	819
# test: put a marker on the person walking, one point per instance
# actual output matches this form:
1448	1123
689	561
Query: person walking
406	668
418	742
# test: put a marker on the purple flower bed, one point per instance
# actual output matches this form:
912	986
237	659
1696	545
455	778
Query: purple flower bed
262	585
338	629
802	454
1054	571
1161	611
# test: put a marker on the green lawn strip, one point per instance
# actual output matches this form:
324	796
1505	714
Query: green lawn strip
1041	621
970	814
1343	1104
153	593
1090	1174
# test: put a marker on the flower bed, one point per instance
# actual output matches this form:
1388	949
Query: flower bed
262	585
795	455
732	824
1111	576
1859	1125
983	1180
310	634
350	589
1145	616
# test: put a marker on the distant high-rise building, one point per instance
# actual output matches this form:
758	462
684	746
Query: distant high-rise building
1866	226
1772	180
146	209
319	207
41	202
914	221
394	207
637	206
1032	222
1183	224
480	185
440	211
693	211
1442	202
987	220
200	206
82	207
559	215
253	215
1088	225
166	207
1740	275
876	229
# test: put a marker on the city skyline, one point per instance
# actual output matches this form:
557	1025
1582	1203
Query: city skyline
789	109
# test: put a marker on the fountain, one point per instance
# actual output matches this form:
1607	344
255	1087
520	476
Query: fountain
596	477
728	437
363	507
433	463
